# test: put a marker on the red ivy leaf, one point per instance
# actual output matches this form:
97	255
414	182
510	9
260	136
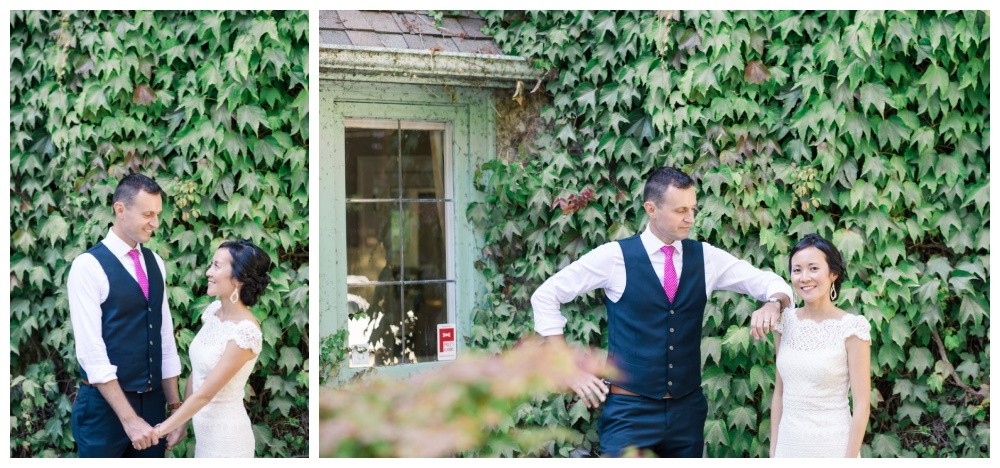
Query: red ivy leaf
143	95
756	72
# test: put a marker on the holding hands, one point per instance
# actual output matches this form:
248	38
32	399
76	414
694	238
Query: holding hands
142	435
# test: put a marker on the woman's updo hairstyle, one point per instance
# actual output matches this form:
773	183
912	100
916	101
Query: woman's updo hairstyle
834	260
251	266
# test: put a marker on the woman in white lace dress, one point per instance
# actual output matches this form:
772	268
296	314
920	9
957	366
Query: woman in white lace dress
822	351
223	354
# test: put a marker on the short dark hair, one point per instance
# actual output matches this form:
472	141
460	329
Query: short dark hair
834	260
251	266
660	179
131	185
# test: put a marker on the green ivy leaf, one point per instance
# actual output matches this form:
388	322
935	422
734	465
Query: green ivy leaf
290	358
251	117
875	95
55	229
920	360
886	445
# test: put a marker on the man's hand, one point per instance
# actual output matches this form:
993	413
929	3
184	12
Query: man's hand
763	320
176	436
591	389
142	435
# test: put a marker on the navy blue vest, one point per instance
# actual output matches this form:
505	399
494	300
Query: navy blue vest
130	325
655	344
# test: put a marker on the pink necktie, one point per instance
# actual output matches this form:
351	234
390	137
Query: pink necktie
669	274
139	273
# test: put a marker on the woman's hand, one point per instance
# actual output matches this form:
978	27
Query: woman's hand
176	436
764	319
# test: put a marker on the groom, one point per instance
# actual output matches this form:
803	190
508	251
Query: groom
124	333
656	285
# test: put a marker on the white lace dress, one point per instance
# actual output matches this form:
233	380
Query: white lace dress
222	427
812	362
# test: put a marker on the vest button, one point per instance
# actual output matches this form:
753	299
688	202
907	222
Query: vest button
669	366
670	347
150	342
671	312
151	325
671	330
148	309
670	383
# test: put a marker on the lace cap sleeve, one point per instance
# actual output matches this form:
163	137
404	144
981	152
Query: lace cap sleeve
248	336
858	326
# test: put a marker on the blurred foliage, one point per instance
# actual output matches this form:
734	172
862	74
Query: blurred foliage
214	106
465	408
870	128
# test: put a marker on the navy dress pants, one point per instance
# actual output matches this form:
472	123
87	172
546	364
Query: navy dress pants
672	427
99	433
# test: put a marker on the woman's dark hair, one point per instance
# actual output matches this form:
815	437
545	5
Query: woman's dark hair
250	267
834	260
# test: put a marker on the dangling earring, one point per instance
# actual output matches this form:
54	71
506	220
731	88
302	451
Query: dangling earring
235	296
833	292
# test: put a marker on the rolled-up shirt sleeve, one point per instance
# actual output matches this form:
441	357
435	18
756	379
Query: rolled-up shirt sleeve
87	286
726	272
171	362
592	271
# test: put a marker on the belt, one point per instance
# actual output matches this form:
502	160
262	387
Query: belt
621	391
148	389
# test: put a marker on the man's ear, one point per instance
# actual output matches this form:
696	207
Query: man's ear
119	208
649	207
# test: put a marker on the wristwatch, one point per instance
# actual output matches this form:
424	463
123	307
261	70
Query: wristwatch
775	300
173	406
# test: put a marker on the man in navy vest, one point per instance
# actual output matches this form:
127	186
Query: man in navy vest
124	333
655	310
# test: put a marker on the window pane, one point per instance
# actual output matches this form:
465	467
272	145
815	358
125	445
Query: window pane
375	317
372	163
423	163
397	333
426	307
373	241
424	241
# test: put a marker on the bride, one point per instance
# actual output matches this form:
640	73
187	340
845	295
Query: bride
822	351
223	353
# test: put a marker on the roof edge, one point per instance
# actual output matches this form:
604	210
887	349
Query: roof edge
423	66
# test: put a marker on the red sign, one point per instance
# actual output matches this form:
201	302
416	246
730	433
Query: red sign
447	344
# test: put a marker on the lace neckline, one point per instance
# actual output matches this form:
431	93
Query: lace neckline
795	313
215	315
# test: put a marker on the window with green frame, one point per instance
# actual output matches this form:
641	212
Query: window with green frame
396	252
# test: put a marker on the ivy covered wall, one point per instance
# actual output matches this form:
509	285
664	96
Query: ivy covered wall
212	105
870	128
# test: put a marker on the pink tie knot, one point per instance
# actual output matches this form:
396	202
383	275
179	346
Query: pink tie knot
669	273
140	274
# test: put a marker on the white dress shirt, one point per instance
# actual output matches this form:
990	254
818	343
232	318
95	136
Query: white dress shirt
604	267
88	287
